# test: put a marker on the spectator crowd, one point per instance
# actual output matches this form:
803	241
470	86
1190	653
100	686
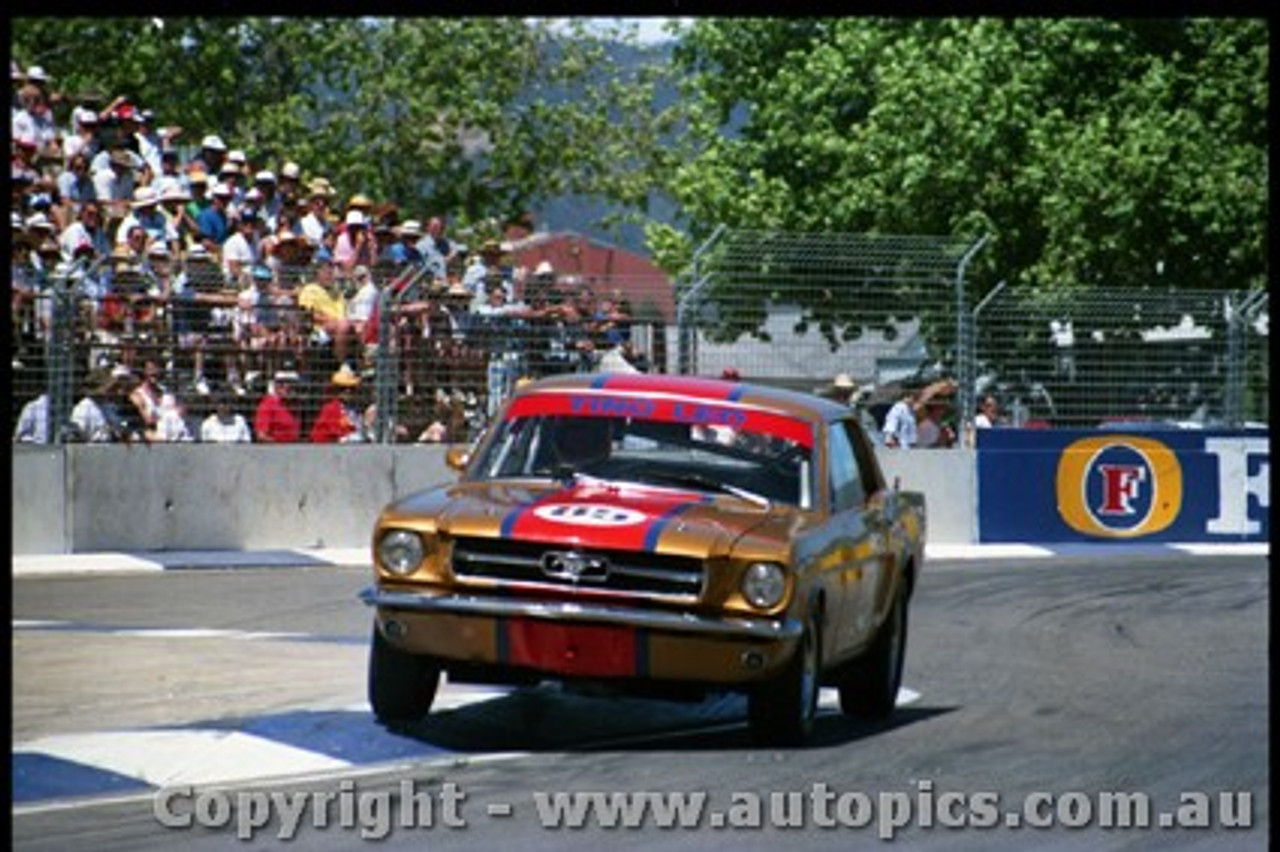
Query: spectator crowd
212	297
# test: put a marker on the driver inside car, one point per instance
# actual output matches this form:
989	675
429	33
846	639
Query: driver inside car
581	442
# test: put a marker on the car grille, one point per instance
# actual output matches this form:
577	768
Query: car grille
556	566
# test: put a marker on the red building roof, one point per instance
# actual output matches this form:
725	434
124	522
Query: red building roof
609	271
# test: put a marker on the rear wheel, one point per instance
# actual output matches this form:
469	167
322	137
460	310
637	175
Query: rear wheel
869	687
781	711
402	686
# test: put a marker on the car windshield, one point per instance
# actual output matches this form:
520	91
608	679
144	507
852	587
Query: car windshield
718	448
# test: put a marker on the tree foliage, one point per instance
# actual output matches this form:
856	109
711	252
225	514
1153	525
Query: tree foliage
1091	150
477	117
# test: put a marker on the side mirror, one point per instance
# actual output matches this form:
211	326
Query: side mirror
458	458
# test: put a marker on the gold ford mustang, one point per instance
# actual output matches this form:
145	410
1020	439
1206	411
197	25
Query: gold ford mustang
660	535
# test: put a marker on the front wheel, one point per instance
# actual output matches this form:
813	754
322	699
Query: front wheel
402	686
782	710
869	687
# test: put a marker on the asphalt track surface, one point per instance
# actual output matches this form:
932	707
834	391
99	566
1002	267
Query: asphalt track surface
1075	676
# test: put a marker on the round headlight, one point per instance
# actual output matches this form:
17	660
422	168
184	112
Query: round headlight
764	584
401	552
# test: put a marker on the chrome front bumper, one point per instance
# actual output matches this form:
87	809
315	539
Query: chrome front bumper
595	613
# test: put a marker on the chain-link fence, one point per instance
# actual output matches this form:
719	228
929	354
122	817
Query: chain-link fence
882	311
1126	356
802	309
435	358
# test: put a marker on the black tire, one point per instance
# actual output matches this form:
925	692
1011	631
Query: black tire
781	711
402	686
869	686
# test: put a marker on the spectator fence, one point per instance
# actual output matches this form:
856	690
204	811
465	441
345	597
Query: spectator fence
801	309
791	310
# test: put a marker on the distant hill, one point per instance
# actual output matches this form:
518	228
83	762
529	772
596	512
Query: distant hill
585	216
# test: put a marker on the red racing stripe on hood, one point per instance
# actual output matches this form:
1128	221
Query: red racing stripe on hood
590	514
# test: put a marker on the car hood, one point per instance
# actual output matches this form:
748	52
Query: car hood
598	514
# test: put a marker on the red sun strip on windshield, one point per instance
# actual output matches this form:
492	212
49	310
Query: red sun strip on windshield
693	412
693	386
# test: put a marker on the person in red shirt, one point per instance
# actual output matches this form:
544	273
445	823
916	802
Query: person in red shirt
275	422
339	419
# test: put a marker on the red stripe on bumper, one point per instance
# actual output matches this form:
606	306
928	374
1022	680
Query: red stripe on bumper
572	649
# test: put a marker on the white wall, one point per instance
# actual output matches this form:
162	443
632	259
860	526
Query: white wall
87	498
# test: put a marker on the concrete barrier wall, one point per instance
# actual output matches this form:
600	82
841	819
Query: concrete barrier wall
948	480
39	488
88	498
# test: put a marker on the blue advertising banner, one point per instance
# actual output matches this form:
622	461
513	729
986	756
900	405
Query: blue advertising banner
1051	486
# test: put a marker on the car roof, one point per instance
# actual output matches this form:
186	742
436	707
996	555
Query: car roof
699	388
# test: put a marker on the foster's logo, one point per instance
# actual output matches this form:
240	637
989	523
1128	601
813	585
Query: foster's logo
1119	486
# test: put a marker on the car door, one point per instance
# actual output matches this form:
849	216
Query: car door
860	540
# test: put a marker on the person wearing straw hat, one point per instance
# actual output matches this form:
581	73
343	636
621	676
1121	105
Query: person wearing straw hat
144	212
339	420
198	185
315	224
405	249
114	185
179	224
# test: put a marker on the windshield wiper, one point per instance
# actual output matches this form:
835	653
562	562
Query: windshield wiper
706	483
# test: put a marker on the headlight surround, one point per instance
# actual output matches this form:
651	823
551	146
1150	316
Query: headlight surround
401	551
764	584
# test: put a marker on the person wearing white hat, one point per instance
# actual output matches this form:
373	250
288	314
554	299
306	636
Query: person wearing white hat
274	421
213	153
214	221
179	224
356	245
145	211
270	206
405	250
84	125
240	250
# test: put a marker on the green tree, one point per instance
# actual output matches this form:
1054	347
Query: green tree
1089	149
478	117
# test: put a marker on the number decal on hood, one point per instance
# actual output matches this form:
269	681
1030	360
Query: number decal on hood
589	515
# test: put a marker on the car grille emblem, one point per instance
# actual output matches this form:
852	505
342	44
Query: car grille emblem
575	567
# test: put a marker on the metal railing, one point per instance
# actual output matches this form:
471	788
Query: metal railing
801	309
434	365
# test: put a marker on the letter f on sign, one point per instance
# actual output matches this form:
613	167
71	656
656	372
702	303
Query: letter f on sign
1120	487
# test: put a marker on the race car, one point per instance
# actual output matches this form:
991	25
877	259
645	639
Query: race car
657	535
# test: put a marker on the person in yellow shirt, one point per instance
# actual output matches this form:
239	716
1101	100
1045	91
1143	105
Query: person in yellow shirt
324	298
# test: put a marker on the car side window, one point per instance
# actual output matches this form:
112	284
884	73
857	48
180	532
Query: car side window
847	491
864	452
